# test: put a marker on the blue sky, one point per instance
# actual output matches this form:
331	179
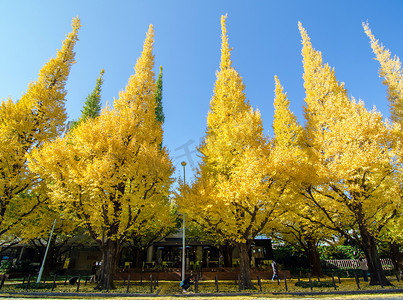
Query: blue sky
263	34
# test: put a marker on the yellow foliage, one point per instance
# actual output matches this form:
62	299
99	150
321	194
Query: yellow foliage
352	149
110	171
391	72
37	117
235	192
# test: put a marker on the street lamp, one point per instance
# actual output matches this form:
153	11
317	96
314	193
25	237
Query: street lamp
183	229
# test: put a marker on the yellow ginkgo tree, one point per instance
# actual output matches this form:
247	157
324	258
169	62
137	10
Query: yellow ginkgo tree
392	73
111	172
38	116
355	187
236	191
295	166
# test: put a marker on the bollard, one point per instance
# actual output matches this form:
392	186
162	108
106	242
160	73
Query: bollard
259	282
197	283
334	283
29	279
216	282
239	282
78	282
128	283
357	281
151	283
54	282
380	279
3	278
310	282
285	283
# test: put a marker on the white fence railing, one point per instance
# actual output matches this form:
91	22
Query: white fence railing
355	263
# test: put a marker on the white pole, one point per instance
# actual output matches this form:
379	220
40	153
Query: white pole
183	231
183	249
46	253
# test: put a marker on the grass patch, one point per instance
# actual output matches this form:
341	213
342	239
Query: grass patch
134	288
205	287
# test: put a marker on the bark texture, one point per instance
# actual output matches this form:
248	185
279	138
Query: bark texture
110	256
244	264
373	258
314	258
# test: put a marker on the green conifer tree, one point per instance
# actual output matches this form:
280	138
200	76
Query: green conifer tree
159	113
92	105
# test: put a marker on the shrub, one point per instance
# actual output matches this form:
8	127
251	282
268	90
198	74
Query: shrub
339	252
34	286
305	284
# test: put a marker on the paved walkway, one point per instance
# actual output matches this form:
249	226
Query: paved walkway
261	295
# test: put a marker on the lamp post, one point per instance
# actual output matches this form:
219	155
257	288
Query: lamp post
183	229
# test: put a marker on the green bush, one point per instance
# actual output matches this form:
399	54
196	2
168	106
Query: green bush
339	252
24	266
343	273
5	266
34	286
290	258
305	284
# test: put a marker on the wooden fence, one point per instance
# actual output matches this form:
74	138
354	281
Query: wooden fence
355	263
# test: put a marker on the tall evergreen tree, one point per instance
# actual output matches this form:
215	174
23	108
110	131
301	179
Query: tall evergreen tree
92	105
159	112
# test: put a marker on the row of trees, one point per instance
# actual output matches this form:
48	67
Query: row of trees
109	175
338	176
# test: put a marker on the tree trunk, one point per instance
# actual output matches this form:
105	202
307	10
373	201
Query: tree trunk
244	264
110	257
139	257
226	251
370	250
314	258
396	256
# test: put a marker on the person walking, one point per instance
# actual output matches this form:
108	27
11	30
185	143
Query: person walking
185	284
275	270
93	273
364	269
